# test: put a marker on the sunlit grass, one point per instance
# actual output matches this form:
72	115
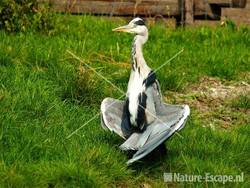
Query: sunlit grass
242	102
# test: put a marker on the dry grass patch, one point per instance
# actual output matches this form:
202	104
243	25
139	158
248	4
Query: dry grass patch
215	101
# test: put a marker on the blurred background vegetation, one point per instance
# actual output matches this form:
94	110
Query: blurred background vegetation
24	15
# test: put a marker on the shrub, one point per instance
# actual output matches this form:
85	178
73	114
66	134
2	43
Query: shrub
22	15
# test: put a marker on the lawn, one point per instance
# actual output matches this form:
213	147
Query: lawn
46	94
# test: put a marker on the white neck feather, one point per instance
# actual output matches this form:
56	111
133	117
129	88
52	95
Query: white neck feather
138	62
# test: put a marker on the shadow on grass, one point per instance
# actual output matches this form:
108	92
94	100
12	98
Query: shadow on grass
150	161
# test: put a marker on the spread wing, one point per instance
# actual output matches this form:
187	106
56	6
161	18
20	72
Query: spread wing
158	132
114	116
167	120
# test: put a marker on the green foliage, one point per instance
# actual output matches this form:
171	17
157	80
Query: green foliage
242	101
23	15
230	25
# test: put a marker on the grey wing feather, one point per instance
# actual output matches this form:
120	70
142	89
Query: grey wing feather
157	94
163	129
136	140
153	94
114	117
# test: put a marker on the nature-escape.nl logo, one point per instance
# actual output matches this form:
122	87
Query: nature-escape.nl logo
207	177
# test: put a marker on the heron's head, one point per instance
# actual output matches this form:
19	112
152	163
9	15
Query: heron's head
136	26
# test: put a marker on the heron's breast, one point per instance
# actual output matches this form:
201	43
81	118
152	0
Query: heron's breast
134	90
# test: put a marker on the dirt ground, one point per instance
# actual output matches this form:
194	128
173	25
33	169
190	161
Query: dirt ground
216	102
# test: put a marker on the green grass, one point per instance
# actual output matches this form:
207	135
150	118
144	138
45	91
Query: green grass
45	95
242	101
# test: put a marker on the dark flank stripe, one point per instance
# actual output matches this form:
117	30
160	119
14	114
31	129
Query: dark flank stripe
126	124
139	22
150	79
141	117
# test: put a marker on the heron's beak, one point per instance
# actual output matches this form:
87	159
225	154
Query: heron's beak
125	28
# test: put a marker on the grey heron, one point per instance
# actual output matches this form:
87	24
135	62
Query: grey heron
143	120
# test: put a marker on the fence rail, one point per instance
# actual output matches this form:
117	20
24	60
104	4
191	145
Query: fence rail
186	11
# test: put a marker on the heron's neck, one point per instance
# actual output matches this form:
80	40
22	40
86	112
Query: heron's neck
138	61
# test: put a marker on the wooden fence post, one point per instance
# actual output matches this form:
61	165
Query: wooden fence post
189	12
